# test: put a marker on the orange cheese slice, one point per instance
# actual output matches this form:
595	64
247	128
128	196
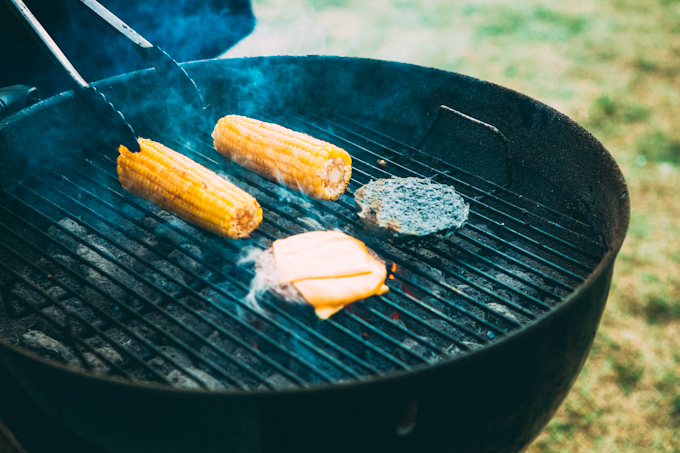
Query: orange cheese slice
330	269
329	295
319	254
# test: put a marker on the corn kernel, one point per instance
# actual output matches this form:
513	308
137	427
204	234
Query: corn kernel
179	185
280	154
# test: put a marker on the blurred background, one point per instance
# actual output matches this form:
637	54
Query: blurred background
614	67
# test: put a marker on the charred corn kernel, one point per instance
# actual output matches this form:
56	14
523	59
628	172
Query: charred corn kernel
301	162
189	190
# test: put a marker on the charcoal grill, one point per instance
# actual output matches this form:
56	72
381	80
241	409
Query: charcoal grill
160	347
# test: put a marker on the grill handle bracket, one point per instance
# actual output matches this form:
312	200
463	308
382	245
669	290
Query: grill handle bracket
445	109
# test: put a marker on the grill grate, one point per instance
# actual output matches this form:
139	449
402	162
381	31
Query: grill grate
134	292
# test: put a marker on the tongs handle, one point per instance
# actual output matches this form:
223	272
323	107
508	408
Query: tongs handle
165	66
104	111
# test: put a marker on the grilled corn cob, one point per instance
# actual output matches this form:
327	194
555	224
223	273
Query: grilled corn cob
301	162
177	184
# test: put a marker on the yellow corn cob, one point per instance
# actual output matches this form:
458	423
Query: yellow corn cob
301	162
177	184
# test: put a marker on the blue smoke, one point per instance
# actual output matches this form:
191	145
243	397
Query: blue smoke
185	29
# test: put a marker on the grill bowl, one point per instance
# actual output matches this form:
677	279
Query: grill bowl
494	398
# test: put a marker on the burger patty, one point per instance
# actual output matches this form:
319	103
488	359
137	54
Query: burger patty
411	211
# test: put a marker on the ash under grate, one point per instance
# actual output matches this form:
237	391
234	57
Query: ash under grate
97	278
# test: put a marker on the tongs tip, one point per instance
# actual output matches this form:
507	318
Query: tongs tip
112	119
175	76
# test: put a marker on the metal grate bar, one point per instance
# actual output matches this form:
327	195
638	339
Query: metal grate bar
377	332
372	330
382	352
494	280
577	278
490	263
514	261
283	214
521	250
502	225
74	339
416	319
438	174
288	331
410	150
293	333
583	266
439	315
457	308
195	294
383	252
477	320
102	314
291	218
170	298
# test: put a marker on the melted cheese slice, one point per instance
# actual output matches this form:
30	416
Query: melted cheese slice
329	269
320	254
329	295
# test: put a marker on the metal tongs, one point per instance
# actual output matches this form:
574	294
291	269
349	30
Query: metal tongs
104	111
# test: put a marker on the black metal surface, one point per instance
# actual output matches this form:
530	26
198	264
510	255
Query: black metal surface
161	286
30	427
16	97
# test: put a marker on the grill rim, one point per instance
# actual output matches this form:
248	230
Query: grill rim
460	359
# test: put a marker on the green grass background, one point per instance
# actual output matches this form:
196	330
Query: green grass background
614	67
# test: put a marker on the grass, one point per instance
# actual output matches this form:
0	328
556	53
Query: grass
613	66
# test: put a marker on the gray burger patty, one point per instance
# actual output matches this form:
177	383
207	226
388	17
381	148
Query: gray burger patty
411	211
